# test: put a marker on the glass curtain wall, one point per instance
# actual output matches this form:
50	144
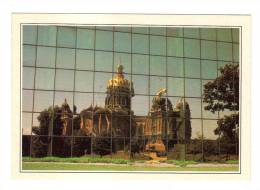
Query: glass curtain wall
67	65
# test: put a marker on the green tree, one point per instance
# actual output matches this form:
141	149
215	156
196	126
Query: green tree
50	123
102	146
136	147
206	148
81	143
49	120
223	94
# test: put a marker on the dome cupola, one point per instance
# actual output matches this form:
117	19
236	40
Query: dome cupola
119	91
119	80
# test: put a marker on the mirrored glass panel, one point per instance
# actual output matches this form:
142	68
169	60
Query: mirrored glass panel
224	51
83	101
40	80
175	46
85	38
209	127
122	29
35	143
207	113
140	30
173	100
46	56
208	33
101	81
208	50
26	123
140	64
84	81
140	105
224	34
195	145
64	80
99	99
191	32
105	27
36	122
156	84
172	31
203	83
65	58
122	42
192	68
104	40
221	64
87	26
60	99
27	101
123	59
42	100
29	34
235	52
29	54
196	132
47	35
140	83
66	37
175	67
192	88
175	86
119	122
191	48
85	59
104	61
157	45
208	69
235	34
157	30
28	77
140	43
195	107
158	65
61	146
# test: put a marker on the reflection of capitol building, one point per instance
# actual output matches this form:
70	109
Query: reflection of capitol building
165	123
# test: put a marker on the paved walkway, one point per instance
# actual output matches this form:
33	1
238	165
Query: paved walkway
152	164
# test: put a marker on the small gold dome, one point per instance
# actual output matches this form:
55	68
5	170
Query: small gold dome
119	80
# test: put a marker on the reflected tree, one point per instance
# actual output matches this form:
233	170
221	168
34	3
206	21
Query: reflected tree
102	146
51	123
223	94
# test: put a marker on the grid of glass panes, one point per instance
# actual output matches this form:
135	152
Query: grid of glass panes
76	62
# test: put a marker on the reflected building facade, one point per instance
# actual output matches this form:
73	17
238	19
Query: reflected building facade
155	96
164	123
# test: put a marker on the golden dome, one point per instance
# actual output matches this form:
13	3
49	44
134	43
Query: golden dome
119	80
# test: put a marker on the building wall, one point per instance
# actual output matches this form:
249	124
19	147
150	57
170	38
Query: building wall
76	62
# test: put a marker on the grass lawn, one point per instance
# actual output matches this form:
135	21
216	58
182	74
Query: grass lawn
97	159
86	167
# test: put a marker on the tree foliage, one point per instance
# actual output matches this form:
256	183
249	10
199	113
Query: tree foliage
228	128
223	94
50	123
49	119
102	146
